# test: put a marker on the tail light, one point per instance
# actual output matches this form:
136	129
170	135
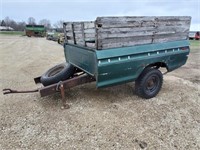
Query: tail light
184	48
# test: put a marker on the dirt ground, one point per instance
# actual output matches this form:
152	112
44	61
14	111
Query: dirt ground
108	118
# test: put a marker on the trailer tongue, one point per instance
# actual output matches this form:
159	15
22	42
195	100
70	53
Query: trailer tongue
57	87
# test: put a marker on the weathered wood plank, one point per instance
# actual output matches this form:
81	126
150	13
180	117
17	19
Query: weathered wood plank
121	42
171	37
124	19
173	23
106	35
141	18
174	18
91	45
124	44
69	33
122	39
68	26
77	25
87	35
138	40
122	31
88	30
86	39
174	38
143	24
107	22
78	34
110	32
92	30
142	37
87	24
81	43
81	33
71	41
143	29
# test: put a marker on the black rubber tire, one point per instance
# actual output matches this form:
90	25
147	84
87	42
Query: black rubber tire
149	83
57	73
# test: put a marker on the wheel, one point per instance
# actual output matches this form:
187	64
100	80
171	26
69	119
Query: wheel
149	83
57	73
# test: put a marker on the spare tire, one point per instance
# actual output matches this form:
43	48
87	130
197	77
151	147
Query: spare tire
57	73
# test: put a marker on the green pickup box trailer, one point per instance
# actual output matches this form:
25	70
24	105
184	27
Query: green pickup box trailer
35	30
116	50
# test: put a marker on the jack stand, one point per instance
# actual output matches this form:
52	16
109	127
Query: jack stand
62	91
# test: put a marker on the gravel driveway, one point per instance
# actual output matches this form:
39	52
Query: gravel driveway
108	118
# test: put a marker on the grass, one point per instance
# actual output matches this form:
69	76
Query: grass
194	46
195	43
12	32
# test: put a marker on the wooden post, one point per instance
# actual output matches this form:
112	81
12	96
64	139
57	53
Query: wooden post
65	33
96	34
64	102
83	34
74	38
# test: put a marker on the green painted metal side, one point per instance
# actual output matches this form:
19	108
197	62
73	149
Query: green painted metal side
82	58
125	64
35	27
121	65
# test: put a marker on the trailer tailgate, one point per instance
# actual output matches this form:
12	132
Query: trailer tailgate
81	57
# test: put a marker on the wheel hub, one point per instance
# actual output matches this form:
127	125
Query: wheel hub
152	83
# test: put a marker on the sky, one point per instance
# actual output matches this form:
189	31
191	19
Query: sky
88	10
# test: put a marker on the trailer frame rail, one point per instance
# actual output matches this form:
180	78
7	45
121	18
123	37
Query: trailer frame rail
57	87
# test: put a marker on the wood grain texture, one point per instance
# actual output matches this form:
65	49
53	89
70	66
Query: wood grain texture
139	40
130	31
77	25
80	33
73	34
111	32
65	35
108	22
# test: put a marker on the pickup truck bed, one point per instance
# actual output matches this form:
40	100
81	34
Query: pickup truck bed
120	65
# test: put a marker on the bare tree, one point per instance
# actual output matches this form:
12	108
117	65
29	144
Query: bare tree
46	23
13	24
10	23
31	21
7	21
3	23
59	24
17	26
20	26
